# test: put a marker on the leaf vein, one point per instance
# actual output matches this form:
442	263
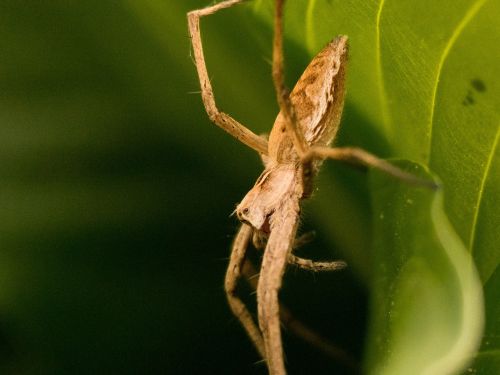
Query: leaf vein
384	108
469	15
484	178
310	37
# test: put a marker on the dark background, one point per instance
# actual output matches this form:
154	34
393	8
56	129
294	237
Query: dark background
115	194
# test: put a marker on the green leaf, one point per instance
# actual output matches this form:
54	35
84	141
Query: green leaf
423	86
427	308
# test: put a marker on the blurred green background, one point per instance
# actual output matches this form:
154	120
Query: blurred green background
116	191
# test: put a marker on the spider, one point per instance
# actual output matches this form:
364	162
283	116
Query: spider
299	142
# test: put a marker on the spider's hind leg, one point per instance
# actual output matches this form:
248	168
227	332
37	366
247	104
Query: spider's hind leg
361	157
285	104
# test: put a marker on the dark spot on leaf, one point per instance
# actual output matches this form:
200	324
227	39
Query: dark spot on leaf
469	100
478	85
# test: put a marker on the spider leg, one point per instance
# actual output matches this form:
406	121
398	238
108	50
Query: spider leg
260	240
283	229
234	271
221	119
360	156
310	265
299	329
286	106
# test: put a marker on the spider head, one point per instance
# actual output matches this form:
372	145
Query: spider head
256	217
273	186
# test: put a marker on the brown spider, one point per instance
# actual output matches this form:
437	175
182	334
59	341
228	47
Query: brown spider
298	143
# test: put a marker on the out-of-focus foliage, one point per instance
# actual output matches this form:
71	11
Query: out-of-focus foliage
116	189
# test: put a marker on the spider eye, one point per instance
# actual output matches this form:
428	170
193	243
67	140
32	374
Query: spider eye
242	214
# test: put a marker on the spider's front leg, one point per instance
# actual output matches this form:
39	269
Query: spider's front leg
234	272
283	230
300	330
220	118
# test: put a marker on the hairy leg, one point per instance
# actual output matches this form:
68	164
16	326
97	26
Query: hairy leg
282	93
283	229
299	329
233	274
221	119
308	264
360	156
